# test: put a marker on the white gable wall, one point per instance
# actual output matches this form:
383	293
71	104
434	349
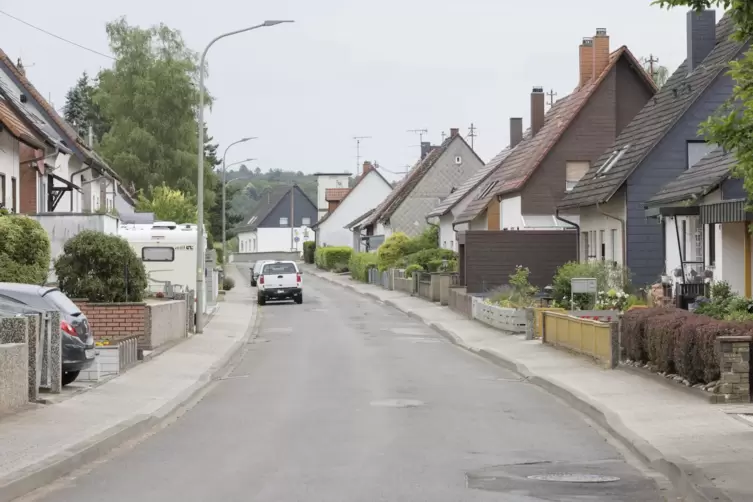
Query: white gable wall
9	168
368	194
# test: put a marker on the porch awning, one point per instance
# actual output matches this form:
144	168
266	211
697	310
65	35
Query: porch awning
666	211
728	211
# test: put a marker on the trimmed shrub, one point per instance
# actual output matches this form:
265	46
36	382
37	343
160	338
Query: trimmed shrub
429	239
425	256
392	250
228	283
411	269
359	265
333	258
93	266
677	341
24	250
309	248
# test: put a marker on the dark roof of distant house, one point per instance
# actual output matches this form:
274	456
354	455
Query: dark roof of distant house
404	188
697	181
88	155
267	205
348	192
471	183
515	170
654	121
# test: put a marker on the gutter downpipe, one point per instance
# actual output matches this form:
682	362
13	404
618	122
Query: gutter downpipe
83	169
624	243
577	231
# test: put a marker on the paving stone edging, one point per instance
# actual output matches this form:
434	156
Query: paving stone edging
57	466
685	478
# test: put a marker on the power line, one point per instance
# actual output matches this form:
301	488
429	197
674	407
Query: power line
56	36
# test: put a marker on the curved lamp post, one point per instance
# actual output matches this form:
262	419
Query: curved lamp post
224	184
200	184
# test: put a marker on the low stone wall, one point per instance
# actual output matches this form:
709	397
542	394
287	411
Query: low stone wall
165	323
734	385
112	360
461	302
272	255
404	284
505	319
14	376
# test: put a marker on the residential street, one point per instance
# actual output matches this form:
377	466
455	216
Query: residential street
345	399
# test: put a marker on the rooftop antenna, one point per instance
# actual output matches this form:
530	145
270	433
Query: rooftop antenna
551	95
472	133
358	150
420	133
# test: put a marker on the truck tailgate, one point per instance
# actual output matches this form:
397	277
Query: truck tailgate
280	275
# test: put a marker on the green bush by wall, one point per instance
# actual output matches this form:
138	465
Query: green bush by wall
333	257
309	248
24	250
359	265
93	266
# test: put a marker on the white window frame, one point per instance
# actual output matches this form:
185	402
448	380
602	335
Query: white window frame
159	248
305	221
284	222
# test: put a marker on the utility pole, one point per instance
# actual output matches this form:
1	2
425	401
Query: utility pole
551	95
292	218
358	150
472	134
651	60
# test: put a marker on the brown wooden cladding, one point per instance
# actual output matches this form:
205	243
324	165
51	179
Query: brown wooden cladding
492	215
489	258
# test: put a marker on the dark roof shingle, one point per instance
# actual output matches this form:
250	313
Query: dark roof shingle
654	121
697	181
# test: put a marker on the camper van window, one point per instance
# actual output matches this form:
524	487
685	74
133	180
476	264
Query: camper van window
157	254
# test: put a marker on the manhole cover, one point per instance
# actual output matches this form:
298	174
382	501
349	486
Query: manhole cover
566	477
398	403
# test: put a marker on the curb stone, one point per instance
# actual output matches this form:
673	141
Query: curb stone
89	450
686	478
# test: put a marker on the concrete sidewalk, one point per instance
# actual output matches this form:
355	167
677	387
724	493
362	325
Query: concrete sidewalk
705	450
46	442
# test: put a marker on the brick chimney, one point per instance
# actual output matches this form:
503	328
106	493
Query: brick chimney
601	52
586	59
367	167
537	110
701	34
454	132
516	131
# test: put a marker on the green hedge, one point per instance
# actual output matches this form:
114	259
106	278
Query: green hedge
424	257
392	250
359	265
309	248
412	269
93	266
333	258
24	250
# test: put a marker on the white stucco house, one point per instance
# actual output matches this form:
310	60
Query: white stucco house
369	190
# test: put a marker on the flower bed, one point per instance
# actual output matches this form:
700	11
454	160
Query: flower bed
677	342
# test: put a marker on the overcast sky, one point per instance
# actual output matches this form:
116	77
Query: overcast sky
350	68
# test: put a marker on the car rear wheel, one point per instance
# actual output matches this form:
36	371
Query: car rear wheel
260	300
69	377
298	299
253	283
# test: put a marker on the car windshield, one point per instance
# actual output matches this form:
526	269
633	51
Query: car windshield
279	268
63	302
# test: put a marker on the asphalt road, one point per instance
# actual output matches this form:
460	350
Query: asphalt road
344	399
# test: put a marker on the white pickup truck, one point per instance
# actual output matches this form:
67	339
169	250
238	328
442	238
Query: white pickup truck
279	280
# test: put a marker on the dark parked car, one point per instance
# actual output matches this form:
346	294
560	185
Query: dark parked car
78	341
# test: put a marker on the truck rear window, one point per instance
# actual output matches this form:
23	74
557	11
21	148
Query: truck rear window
279	269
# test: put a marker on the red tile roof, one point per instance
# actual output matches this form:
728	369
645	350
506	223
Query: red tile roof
335	194
512	174
17	128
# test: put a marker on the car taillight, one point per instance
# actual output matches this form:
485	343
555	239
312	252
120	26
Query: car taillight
67	328
261	279
298	278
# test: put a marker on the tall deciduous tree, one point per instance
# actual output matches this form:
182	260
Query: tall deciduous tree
730	126
150	97
215	213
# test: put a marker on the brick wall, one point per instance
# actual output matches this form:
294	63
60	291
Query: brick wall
115	321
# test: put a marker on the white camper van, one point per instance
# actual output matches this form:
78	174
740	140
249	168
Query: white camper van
168	251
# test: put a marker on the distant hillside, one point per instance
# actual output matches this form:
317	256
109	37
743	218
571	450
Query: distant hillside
252	185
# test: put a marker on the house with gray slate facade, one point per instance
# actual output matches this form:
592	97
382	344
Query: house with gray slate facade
440	170
661	143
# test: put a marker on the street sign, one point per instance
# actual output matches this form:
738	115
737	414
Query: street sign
297	239
583	285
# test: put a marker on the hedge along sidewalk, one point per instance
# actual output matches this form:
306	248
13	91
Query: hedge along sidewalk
704	449
46	442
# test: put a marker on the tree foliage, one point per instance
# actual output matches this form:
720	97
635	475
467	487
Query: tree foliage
168	204
150	97
93	266
215	212
24	250
80	110
659	74
730	126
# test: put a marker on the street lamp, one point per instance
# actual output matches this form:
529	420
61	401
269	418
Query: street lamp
224	184
200	174
235	164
